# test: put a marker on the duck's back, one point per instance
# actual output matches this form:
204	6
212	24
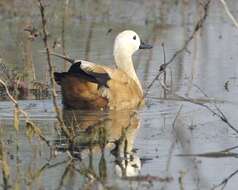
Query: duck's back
99	87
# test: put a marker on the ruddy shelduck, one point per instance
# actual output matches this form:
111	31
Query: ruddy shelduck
87	85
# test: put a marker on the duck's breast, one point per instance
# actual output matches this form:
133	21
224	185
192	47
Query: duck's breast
124	93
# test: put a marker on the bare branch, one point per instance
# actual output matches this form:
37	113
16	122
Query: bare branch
198	26
228	12
219	114
64	19
26	116
51	73
225	181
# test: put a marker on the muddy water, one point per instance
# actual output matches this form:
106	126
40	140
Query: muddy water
119	150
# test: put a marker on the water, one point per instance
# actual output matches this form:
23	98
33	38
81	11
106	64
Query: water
157	133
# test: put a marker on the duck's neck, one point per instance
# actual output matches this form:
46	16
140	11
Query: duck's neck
125	63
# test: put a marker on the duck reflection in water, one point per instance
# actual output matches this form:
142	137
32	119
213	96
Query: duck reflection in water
105	139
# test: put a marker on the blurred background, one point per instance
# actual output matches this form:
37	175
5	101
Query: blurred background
85	29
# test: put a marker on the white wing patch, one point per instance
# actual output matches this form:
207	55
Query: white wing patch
91	67
105	92
87	66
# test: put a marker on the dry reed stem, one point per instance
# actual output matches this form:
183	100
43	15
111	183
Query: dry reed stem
219	113
5	167
64	19
51	73
29	67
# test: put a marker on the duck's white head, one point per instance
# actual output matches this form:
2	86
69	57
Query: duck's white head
127	43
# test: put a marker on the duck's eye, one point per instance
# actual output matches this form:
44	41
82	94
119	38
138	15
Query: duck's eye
134	37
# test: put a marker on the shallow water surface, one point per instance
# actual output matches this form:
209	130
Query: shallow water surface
170	143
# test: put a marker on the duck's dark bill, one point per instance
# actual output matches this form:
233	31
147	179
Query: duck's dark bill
145	46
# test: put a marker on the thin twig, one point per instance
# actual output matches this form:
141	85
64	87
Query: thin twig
198	26
64	19
4	166
165	75
225	181
26	116
171	149
177	115
51	73
218	154
228	12
218	114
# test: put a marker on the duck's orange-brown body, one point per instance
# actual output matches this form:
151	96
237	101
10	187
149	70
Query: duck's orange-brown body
80	94
120	92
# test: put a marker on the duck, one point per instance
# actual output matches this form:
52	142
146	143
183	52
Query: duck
88	85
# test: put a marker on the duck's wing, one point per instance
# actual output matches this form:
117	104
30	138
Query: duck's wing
90	72
85	70
92	82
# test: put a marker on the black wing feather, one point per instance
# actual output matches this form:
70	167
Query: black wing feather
98	78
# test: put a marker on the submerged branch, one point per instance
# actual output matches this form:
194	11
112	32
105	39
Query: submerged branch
148	178
211	155
218	154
